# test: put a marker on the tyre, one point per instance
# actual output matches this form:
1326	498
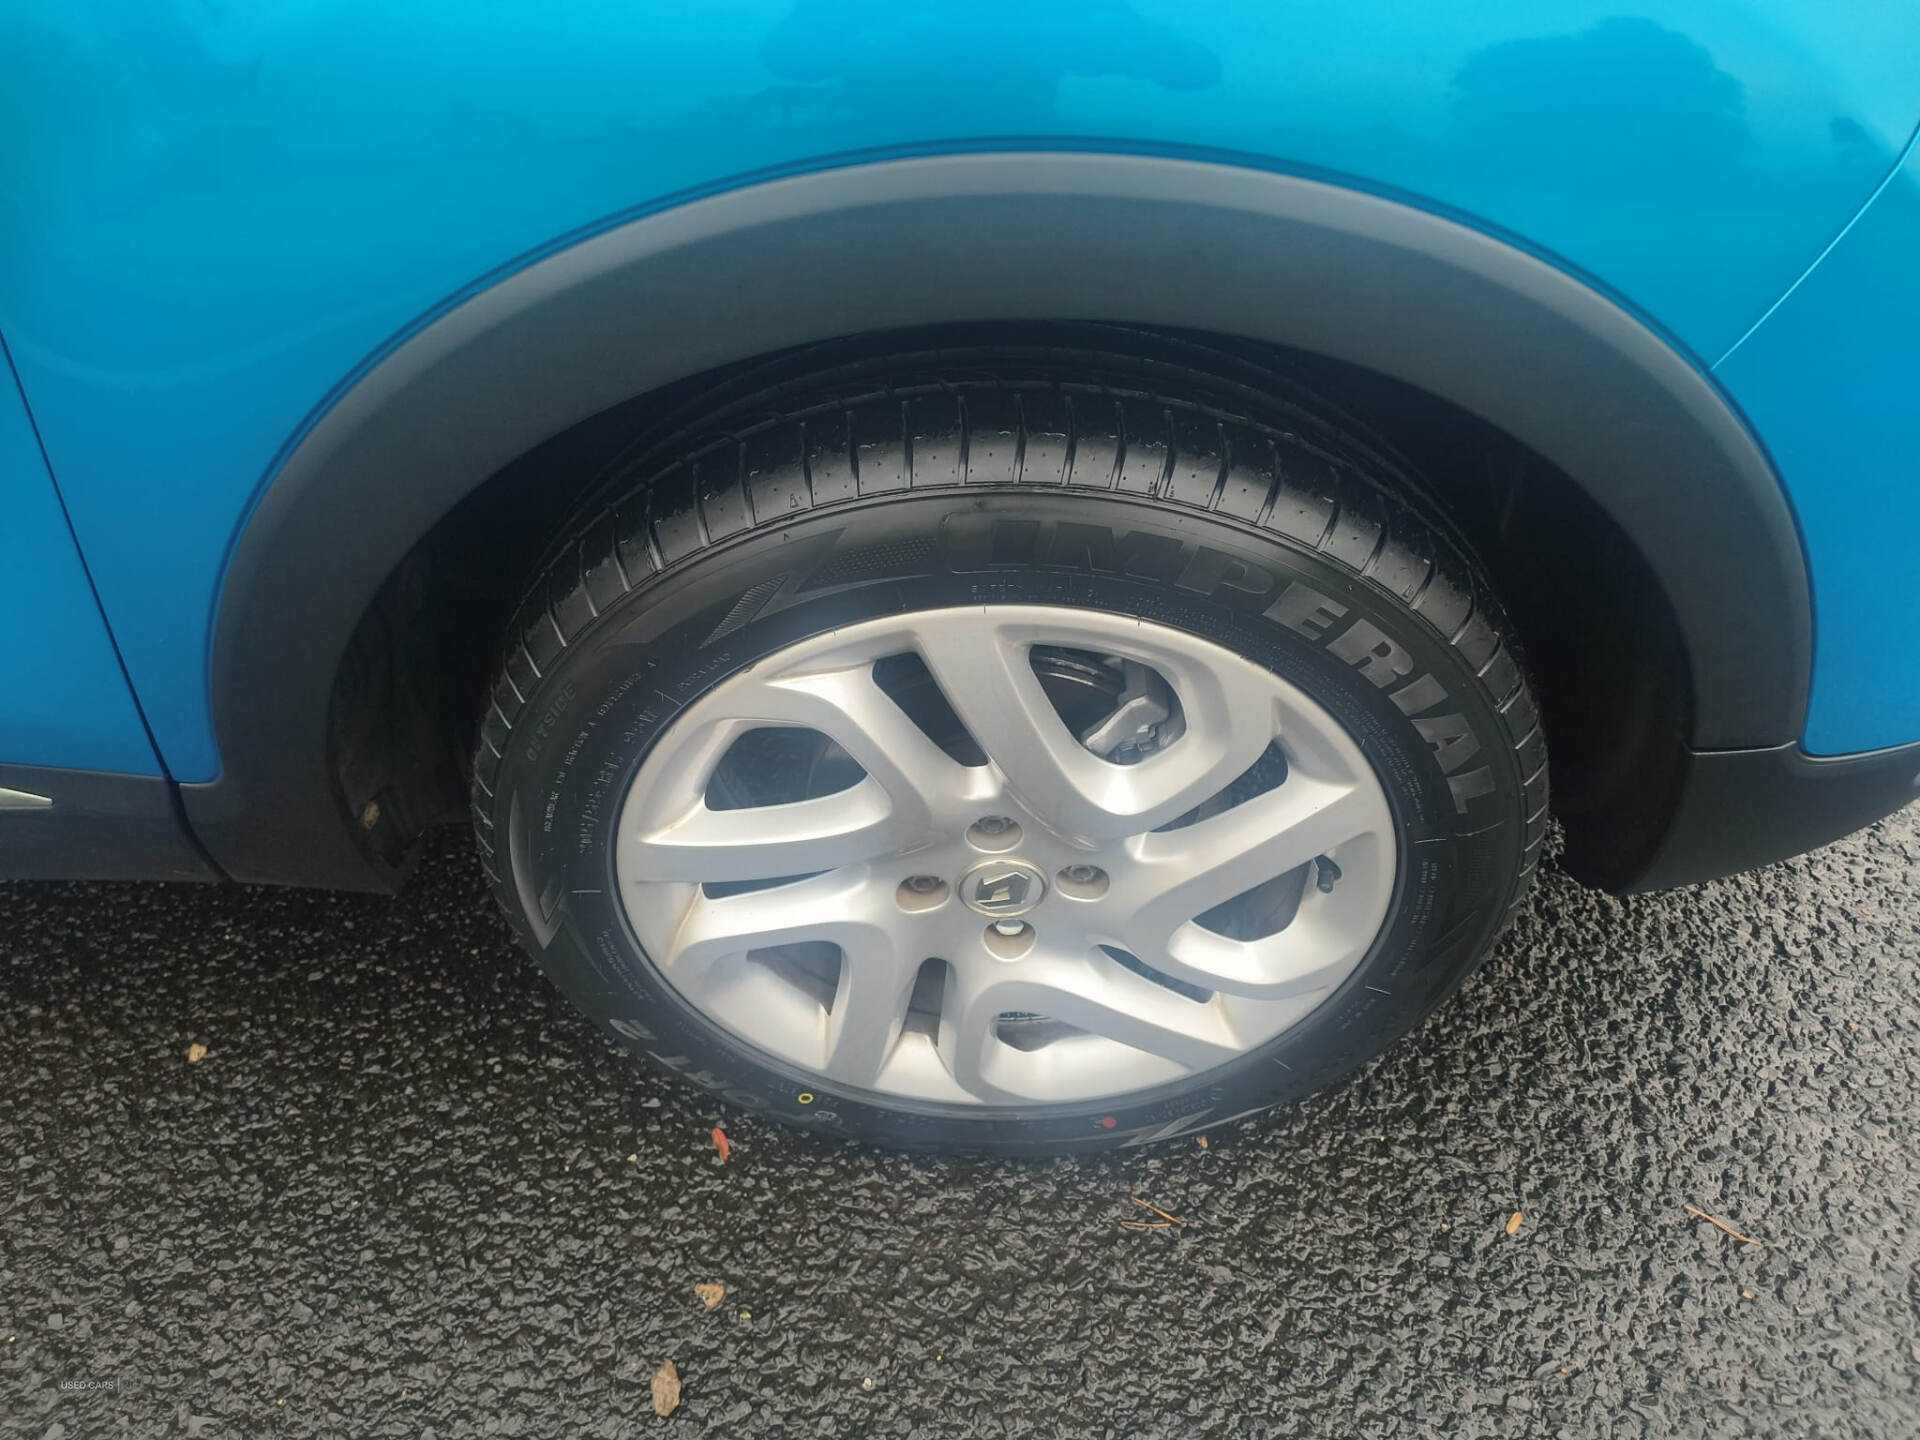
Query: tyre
1010	748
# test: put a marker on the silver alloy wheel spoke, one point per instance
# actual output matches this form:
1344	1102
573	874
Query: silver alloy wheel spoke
769	841
1100	999
982	667
1191	870
833	907
681	838
1093	991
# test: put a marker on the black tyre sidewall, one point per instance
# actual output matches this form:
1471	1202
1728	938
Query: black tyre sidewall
600	707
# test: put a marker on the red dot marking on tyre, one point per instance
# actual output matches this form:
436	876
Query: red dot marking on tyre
1107	1122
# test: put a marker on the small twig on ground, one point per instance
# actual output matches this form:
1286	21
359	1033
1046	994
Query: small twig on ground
1170	1219
1147	1224
1695	1210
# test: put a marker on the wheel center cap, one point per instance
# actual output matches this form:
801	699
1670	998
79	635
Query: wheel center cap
1002	889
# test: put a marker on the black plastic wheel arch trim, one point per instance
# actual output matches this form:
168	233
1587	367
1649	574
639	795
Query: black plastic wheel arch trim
1742	808
1001	236
96	826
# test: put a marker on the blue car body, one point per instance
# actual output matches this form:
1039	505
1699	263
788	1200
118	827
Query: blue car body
217	222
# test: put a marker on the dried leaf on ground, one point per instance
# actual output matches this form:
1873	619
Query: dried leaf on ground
666	1388
1513	1225
720	1144
710	1295
196	1052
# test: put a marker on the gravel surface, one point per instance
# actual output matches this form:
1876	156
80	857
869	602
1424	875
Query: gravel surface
407	1193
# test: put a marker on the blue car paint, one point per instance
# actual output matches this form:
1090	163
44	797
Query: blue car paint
1830	379
214	214
63	700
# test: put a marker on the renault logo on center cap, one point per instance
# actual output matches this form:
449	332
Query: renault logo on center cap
1002	888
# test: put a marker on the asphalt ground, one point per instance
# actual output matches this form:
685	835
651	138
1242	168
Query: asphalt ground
406	1192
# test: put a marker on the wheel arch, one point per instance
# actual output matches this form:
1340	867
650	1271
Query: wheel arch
1535	352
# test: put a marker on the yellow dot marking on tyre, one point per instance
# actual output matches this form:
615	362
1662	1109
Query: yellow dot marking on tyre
805	1097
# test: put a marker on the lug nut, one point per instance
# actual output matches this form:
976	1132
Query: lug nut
1082	882
1008	939
994	833
921	892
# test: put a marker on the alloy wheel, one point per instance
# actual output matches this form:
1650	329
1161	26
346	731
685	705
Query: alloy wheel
1005	855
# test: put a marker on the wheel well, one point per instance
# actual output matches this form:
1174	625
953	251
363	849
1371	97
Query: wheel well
1031	237
1600	636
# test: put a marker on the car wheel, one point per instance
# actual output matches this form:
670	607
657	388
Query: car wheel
1011	749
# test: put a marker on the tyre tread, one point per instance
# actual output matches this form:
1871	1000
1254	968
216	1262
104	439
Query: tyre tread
1261	456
